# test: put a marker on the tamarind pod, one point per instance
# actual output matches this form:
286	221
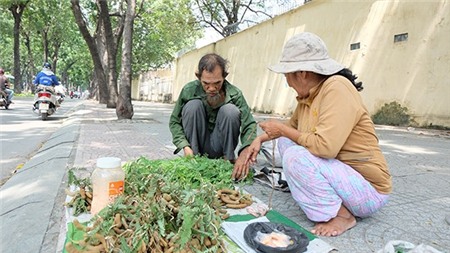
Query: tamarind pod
221	210
236	206
225	216
156	235
88	194
129	241
91	251
195	243
81	243
97	248
118	230
117	220
207	242
234	197
170	250
102	240
83	193
70	248
167	197
152	241
163	242
248	203
143	247
78	225
89	201
226	199
216	223
228	191
124	222
158	248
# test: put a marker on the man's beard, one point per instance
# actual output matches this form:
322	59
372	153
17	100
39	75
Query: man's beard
215	100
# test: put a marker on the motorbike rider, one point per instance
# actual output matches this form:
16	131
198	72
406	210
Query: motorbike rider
4	87
46	78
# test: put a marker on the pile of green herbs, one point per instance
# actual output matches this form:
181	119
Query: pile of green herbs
167	203
190	171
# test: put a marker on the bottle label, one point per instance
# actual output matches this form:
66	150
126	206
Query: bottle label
115	188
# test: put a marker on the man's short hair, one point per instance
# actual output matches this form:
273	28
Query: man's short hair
209	61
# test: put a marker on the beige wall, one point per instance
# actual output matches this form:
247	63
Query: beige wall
411	72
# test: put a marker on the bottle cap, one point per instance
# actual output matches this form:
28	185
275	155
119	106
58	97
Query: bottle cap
108	162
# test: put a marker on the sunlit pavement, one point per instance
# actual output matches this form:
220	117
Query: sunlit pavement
417	211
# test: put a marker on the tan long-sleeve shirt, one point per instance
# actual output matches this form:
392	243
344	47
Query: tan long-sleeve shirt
334	123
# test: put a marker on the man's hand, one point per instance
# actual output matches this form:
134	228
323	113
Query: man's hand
253	150
188	151
241	166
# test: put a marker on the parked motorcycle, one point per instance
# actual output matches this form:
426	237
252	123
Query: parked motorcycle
45	101
4	101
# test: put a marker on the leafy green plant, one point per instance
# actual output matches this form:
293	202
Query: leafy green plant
168	205
392	114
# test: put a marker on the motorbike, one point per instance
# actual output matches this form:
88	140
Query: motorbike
45	101
4	101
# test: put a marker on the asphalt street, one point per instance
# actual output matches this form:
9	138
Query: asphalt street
32	213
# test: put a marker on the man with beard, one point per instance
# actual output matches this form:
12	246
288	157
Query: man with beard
211	114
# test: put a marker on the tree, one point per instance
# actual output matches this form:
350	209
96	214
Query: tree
124	109
99	72
163	27
47	32
17	8
6	39
226	17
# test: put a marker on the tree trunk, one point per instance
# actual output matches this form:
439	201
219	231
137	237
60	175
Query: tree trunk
124	109
98	68
31	66
17	11
111	49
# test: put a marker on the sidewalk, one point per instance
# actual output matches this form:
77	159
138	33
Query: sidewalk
32	200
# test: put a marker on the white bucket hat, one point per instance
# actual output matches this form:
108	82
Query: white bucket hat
306	52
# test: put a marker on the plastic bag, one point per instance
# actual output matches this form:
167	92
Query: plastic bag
397	246
254	232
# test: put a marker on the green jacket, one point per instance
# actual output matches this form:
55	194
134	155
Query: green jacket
194	90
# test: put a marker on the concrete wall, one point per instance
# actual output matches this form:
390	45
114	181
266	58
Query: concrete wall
411	72
154	86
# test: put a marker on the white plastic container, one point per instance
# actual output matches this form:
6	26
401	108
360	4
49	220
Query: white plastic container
108	181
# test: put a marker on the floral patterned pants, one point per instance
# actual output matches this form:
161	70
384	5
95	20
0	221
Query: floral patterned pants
320	186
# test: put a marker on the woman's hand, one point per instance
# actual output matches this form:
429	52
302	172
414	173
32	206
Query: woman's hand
272	128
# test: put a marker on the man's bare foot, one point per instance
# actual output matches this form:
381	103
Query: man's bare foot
337	225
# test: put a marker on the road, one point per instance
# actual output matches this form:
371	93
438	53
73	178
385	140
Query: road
22	133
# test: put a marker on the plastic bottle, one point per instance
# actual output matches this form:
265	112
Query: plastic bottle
107	182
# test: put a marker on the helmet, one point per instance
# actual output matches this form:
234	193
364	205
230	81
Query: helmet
47	65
